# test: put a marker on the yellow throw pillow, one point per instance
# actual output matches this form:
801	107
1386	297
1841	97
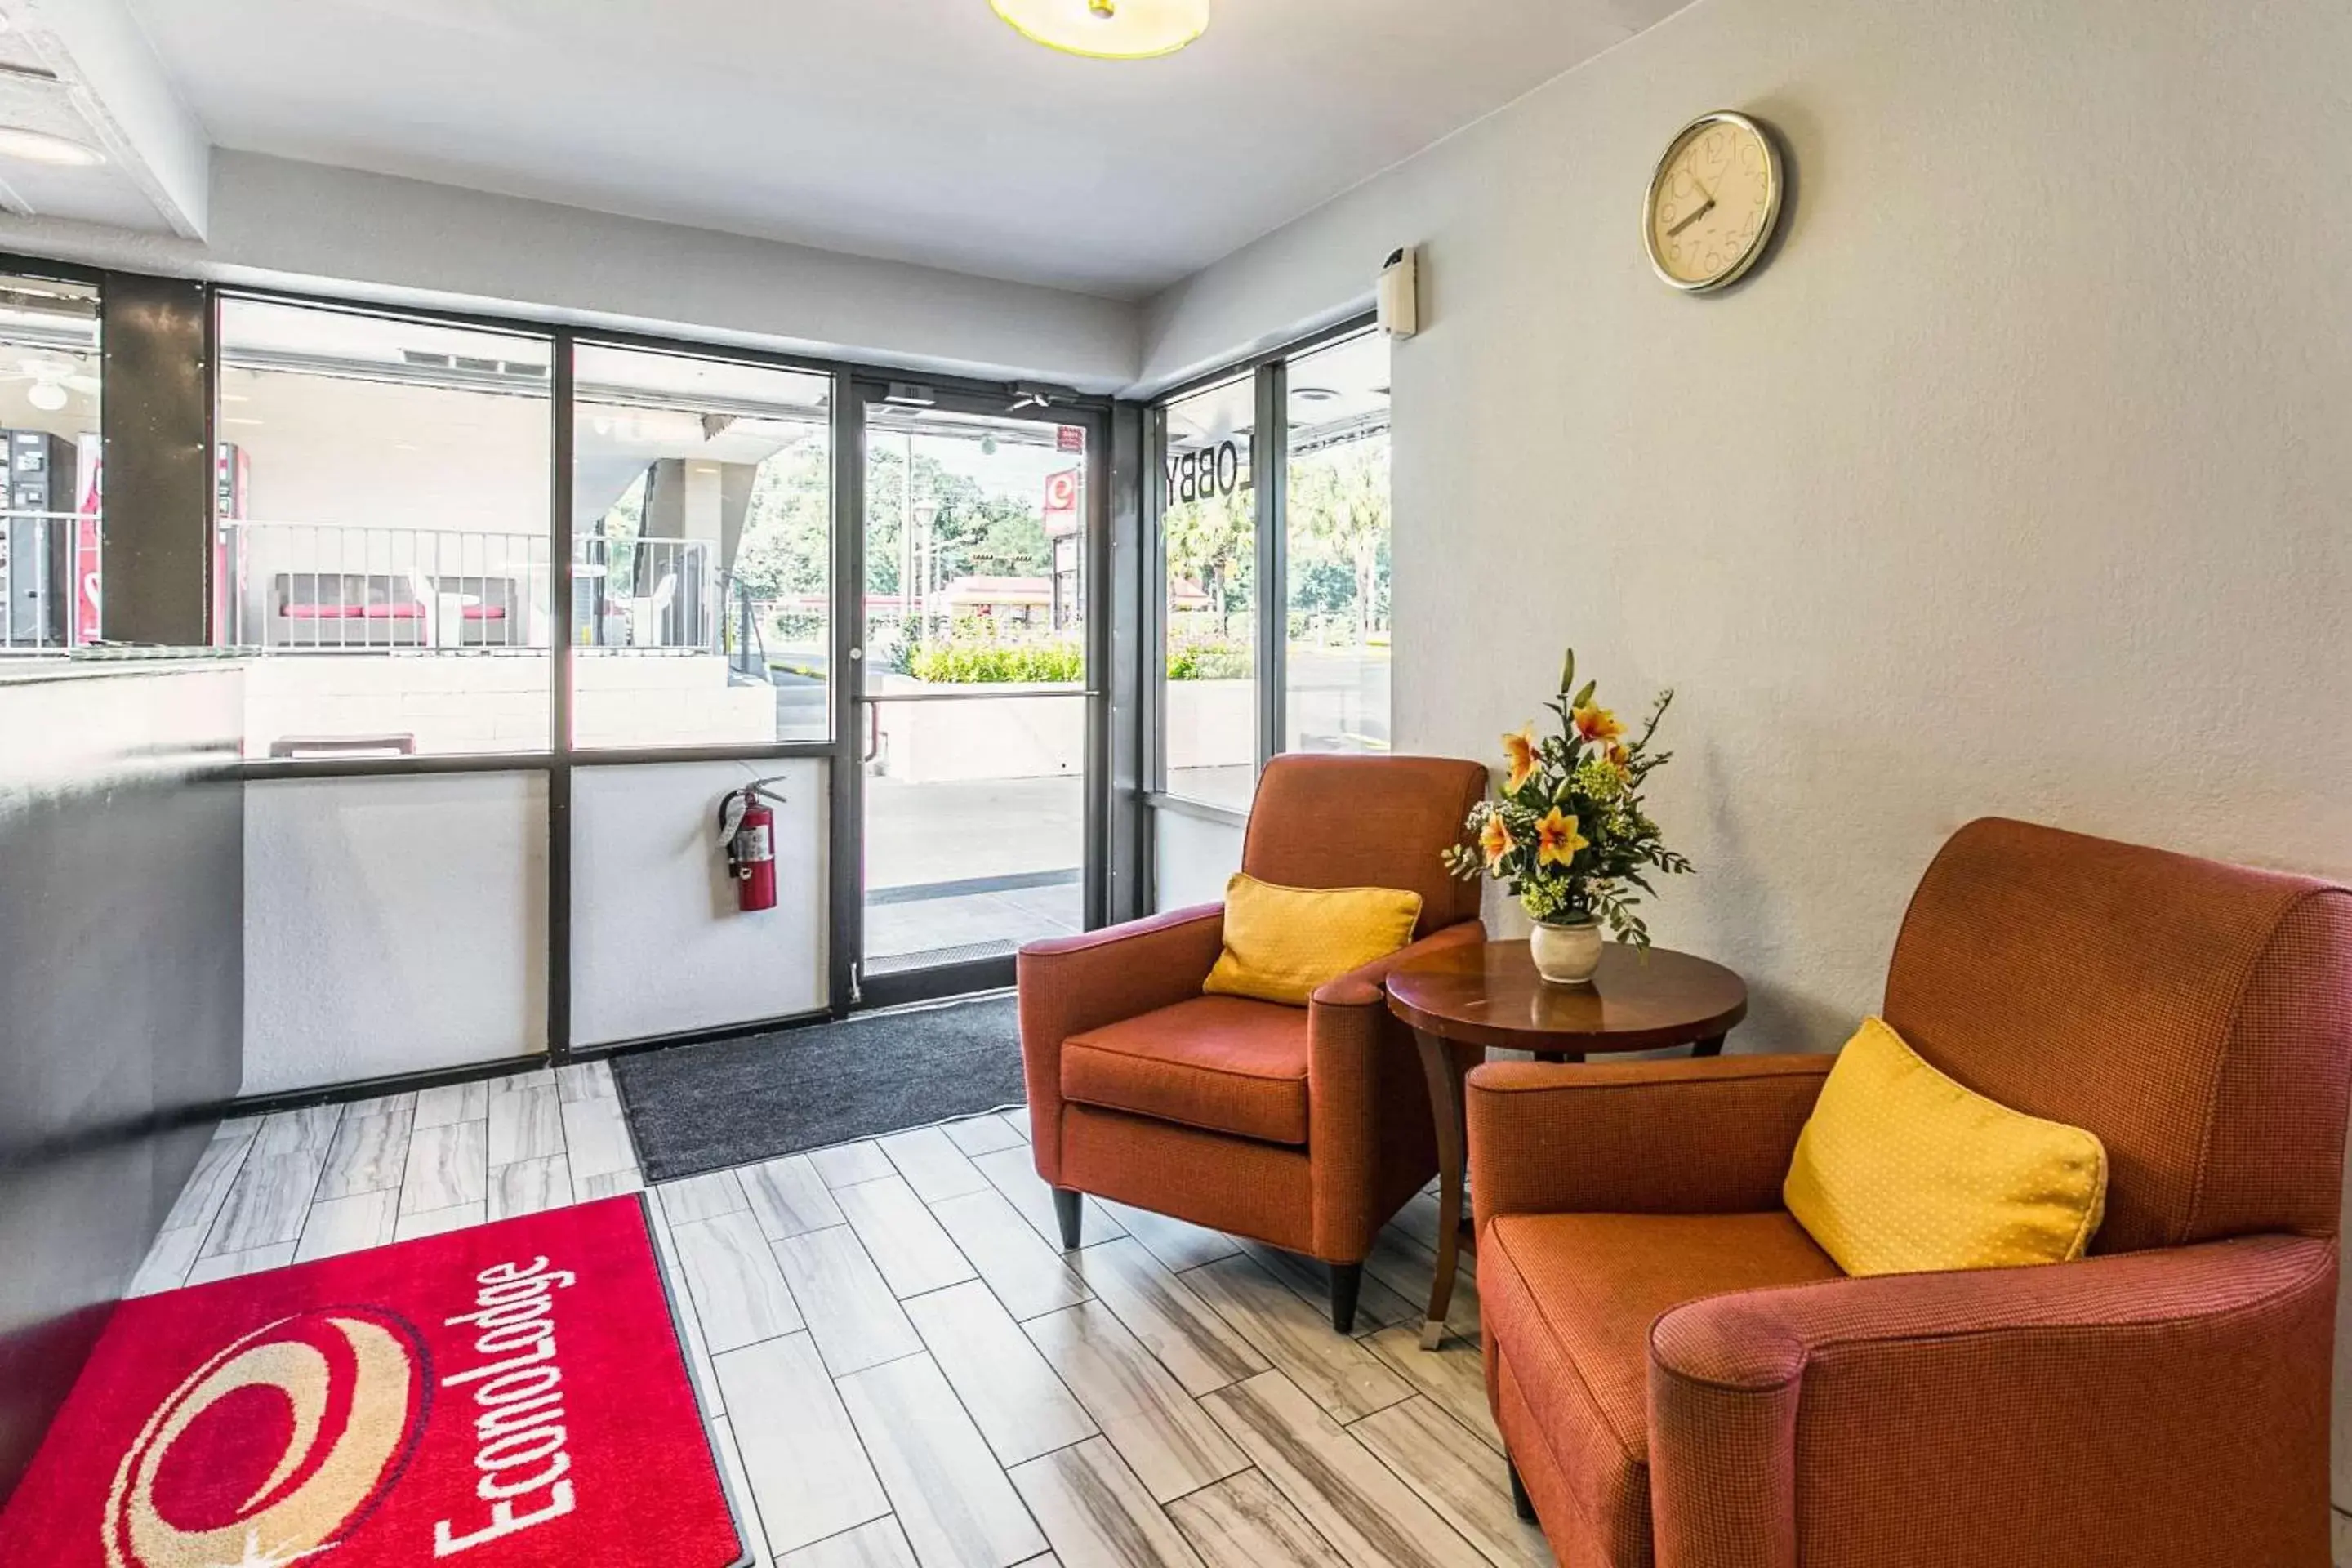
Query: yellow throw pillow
1283	942
1903	1171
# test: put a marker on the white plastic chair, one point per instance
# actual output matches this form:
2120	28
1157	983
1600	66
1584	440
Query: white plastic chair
646	615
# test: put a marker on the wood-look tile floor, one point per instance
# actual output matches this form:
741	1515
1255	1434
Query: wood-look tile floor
902	1368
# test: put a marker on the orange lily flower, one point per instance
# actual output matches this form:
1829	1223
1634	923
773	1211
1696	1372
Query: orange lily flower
1619	757
1495	842
1557	839
1597	723
1520	748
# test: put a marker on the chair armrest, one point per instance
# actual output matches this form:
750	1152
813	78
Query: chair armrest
2166	1406
1711	1135
1070	984
1367	986
1368	1130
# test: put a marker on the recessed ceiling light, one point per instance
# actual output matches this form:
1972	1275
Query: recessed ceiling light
27	145
1315	394
1108	29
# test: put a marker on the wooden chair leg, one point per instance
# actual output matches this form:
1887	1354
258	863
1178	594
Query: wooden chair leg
1067	1213
1347	1282
1521	1503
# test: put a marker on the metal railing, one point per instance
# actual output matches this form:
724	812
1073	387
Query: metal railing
645	593
48	580
300	585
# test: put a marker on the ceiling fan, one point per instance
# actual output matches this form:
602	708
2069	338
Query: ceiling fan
54	377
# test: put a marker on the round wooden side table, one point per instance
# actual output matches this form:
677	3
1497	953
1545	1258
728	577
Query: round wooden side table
1491	995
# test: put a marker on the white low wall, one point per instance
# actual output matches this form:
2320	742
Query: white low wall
1212	723
477	702
987	737
1193	858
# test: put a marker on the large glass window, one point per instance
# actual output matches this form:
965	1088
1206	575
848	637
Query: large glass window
1336	515
702	550
383	520
49	516
1329	466
1208	530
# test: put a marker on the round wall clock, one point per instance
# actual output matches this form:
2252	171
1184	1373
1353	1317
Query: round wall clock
1712	202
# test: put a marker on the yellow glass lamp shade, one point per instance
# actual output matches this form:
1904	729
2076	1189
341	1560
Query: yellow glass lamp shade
1109	29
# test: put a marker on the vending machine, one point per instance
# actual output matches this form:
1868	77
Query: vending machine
39	546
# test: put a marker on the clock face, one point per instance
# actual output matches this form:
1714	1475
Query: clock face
1712	202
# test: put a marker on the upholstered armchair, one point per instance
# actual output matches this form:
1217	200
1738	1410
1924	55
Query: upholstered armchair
1682	1377
1305	1128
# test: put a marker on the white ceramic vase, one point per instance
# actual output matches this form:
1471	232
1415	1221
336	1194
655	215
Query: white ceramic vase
1567	955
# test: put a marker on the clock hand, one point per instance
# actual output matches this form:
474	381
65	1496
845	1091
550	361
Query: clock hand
1693	217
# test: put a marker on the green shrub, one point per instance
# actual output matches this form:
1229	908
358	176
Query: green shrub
1210	662
966	663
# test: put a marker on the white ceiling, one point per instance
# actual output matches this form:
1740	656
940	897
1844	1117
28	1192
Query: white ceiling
918	130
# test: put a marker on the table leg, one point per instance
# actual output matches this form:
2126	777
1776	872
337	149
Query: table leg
1710	1047
1437	1065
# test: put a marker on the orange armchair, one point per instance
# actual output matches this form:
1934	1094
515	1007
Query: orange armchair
1683	1378
1304	1127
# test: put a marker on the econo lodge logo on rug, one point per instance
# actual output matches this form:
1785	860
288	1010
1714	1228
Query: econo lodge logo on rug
507	1395
282	1445
275	1448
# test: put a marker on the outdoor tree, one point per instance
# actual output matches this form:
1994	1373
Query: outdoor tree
1339	505
787	525
786	547
1210	541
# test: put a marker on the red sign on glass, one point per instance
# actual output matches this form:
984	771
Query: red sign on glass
1073	438
1062	491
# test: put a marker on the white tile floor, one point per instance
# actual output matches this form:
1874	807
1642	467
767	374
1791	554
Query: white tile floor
901	1367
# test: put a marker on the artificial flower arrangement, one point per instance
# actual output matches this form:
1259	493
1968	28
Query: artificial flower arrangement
1568	834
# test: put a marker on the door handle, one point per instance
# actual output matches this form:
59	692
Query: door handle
872	731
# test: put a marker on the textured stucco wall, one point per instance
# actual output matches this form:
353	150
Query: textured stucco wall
2017	481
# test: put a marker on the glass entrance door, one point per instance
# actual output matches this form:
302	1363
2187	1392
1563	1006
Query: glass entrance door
977	722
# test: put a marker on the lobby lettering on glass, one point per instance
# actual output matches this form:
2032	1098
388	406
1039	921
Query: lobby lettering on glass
1206	471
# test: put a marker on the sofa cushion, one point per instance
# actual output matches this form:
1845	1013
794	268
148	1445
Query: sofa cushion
1224	1063
1282	944
1903	1169
1568	1301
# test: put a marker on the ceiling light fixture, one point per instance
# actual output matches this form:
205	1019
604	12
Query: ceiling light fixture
26	146
1108	29
47	395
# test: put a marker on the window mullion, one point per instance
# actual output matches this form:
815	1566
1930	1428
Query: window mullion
1270	465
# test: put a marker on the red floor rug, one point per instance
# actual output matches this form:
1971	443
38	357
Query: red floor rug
508	1396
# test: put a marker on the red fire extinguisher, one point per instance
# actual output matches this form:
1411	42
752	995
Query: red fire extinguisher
747	831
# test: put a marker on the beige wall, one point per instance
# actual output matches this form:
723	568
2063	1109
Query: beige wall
2019	481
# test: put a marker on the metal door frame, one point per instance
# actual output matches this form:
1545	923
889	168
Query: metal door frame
853	395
